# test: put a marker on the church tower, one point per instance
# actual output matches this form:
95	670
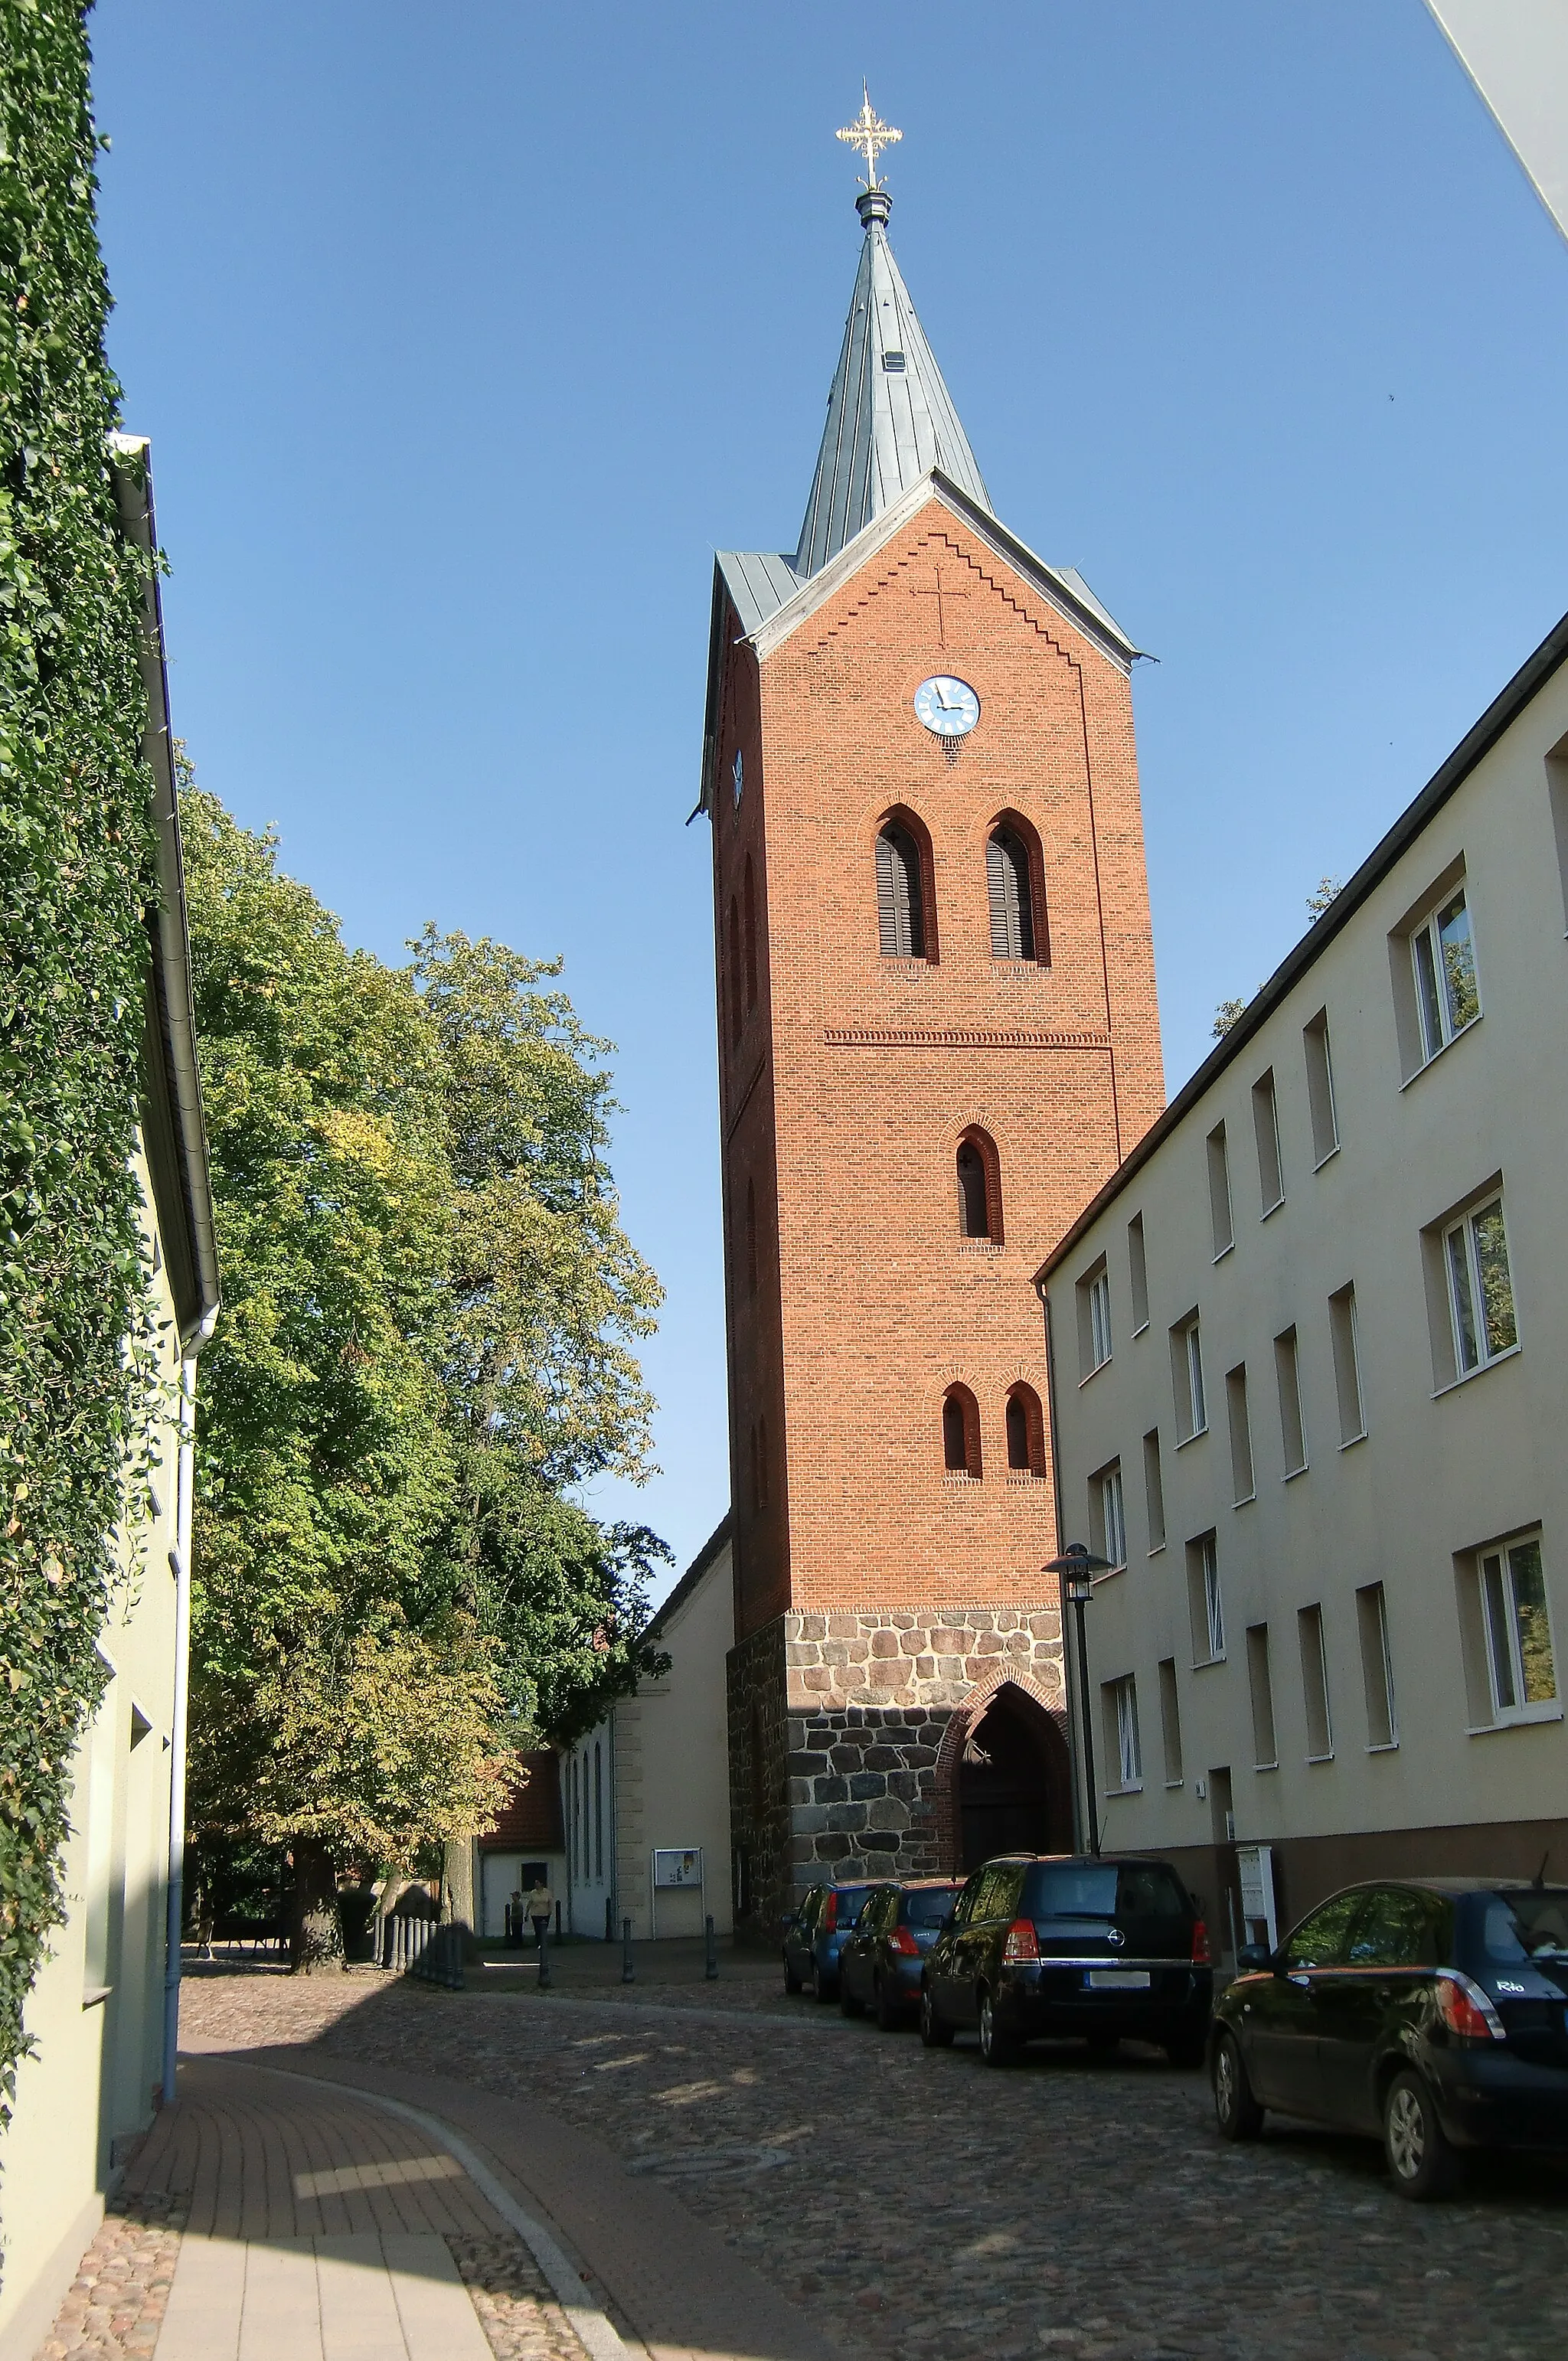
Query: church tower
937	1036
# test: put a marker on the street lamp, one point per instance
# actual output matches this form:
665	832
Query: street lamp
1077	1567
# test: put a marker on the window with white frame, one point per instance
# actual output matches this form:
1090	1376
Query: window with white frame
1480	1287
1187	1376
1517	1629
1113	1515
1442	954
1122	1730
1094	1319
1205	1607
1376	1668
1320	1089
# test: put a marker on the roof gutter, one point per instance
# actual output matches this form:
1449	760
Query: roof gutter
132	486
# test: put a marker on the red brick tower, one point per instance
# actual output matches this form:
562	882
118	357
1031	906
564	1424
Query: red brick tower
938	1036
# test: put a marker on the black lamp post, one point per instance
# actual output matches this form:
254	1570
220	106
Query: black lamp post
1077	1567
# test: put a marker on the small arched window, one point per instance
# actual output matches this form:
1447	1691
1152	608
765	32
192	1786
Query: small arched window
751	1238
751	892
961	1431
1026	1433
980	1188
736	1009
1010	885
900	893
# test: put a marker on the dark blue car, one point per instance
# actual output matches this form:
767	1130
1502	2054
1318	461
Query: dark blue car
881	1964
816	1934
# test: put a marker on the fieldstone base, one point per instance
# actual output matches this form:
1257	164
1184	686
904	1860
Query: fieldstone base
845	1732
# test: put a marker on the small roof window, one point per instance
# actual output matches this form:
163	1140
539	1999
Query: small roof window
892	361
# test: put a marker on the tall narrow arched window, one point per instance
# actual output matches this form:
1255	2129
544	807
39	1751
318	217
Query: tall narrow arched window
751	1238
980	1188
900	893
575	1857
737	1006
1026	1431
750	894
961	1431
1010	885
599	1813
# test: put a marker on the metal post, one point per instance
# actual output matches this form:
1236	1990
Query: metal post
545	1955
628	1966
1093	1831
711	1969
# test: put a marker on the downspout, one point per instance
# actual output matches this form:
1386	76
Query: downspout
180	1566
1074	1744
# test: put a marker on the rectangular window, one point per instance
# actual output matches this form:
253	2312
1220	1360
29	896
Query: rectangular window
1154	1491
1288	1378
1220	1193
1443	957
1265	1751
1204	1606
1480	1287
1121	1709
1242	1486
1518	1629
1377	1667
1187	1375
1170	1721
1315	1685
1266	1125
1112	1516
1347	1366
1321	1090
1138	1275
1094	1319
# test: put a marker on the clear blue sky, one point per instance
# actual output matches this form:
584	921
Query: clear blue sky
464	334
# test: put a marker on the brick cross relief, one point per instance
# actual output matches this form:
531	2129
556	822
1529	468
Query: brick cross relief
940	596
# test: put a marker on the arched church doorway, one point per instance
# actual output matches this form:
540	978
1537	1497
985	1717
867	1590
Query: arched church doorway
1014	1784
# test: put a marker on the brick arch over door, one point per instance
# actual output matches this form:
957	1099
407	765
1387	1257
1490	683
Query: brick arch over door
1033	1735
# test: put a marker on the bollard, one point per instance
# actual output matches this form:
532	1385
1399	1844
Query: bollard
627	1971
711	1969
544	1956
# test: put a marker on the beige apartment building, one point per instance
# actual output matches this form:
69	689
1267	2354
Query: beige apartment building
1310	1365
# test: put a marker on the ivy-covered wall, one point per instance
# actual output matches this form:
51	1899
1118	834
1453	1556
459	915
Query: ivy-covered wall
76	882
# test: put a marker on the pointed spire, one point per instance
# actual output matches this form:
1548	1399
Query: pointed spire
890	417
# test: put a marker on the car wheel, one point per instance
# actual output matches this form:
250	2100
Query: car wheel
848	2004
1421	2160
997	2047
1236	2112
889	2016
933	2032
792	1982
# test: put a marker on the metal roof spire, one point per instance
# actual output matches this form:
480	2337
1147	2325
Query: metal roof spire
890	417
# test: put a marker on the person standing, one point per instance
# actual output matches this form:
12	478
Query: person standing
540	1903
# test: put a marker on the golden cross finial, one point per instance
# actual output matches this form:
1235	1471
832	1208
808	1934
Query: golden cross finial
871	135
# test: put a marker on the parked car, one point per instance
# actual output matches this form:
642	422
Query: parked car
1432	2010
881	1964
1070	1946
816	1934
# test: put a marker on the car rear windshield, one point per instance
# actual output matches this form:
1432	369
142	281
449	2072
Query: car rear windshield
1070	1889
1532	1926
851	1902
927	1906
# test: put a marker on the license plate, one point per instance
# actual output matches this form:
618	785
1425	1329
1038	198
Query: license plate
1118	1978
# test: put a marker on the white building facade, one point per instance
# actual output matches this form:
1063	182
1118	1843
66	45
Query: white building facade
1309	1364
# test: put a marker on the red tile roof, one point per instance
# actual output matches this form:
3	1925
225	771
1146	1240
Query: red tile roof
530	1820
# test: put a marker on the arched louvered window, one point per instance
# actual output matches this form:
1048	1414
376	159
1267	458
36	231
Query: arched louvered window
900	893
961	1431
980	1188
736	1007
1026	1431
1011	889
750	891
751	1238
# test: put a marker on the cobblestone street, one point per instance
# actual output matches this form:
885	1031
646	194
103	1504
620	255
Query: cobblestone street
912	2202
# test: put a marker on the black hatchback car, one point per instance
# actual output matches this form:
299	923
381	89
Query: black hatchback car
1433	2011
1064	1946
816	1934
880	1966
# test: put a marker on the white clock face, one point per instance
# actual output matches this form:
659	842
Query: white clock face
949	707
